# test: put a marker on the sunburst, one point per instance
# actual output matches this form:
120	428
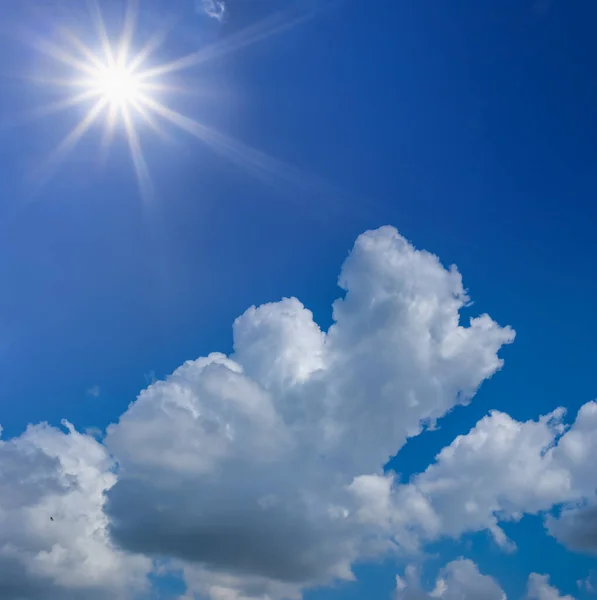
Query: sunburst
120	88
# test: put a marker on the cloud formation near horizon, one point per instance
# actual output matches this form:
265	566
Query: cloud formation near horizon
260	474
458	580
462	580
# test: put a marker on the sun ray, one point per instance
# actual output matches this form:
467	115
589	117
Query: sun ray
128	30
77	43
109	130
49	109
118	86
139	163
149	119
100	25
152	45
59	54
245	156
273	25
59	82
146	86
61	105
71	140
258	163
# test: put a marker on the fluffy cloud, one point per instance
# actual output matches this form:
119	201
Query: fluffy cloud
577	525
499	471
259	472
458	580
539	589
53	537
461	580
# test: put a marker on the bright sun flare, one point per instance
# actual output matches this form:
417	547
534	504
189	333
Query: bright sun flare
121	89
117	85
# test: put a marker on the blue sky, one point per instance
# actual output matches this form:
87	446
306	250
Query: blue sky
469	128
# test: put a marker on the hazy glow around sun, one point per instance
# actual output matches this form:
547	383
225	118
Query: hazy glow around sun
119	86
115	83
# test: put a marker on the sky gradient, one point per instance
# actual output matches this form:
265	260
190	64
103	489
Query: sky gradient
247	380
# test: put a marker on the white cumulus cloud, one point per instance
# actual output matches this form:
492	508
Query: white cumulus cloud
250	470
458	580
497	472
260	474
539	588
53	531
462	580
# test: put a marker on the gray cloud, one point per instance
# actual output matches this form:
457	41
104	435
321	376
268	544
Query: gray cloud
576	528
279	543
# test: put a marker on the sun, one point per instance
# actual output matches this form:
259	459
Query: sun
123	88
118	85
115	84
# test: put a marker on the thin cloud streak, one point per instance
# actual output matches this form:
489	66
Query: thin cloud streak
267	28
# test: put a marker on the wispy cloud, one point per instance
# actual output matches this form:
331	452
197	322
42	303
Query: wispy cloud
589	584
212	8
94	391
